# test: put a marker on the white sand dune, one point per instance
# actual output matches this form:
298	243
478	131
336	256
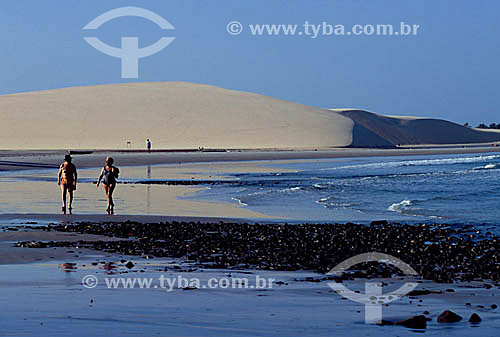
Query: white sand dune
171	114
177	115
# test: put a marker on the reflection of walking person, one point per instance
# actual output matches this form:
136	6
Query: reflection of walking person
148	144
109	174
67	178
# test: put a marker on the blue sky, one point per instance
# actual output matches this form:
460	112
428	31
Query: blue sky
449	70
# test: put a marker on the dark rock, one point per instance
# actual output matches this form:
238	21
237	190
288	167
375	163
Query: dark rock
384	323
448	316
474	318
68	266
379	223
109	266
450	254
415	322
419	292
494	306
129	265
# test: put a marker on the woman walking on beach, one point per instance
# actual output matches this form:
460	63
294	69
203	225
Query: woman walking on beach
67	178
109	174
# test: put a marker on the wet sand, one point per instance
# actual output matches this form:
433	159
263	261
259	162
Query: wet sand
45	299
25	159
150	190
9	254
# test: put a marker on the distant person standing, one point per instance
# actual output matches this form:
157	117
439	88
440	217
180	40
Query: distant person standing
148	144
67	178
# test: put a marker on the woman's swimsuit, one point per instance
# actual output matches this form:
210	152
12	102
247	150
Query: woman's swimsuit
67	176
108	177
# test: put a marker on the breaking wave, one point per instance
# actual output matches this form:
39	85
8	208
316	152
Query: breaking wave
401	206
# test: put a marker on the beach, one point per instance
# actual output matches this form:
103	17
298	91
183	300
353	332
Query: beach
56	297
236	168
245	187
189	235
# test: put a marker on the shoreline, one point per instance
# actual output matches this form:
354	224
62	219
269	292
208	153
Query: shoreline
12	160
29	218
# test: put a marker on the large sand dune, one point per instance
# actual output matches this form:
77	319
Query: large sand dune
177	115
171	114
396	131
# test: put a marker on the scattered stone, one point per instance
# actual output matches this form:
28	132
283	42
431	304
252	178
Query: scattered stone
129	265
109	266
494	306
415	322
450	254
384	323
419	292
68	266
448	316
379	223
474	318
189	288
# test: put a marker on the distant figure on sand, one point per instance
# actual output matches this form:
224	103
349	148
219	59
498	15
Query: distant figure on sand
67	178
148	144
109	174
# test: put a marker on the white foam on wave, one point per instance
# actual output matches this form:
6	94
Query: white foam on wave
241	203
487	167
400	206
420	162
270	191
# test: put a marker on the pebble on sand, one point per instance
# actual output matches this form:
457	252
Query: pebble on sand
448	316
474	318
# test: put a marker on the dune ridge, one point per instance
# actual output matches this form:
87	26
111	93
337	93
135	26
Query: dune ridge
171	114
181	115
405	131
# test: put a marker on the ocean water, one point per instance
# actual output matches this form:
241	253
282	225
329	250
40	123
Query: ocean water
461	189
443	188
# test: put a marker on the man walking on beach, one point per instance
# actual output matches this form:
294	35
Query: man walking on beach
67	178
148	145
